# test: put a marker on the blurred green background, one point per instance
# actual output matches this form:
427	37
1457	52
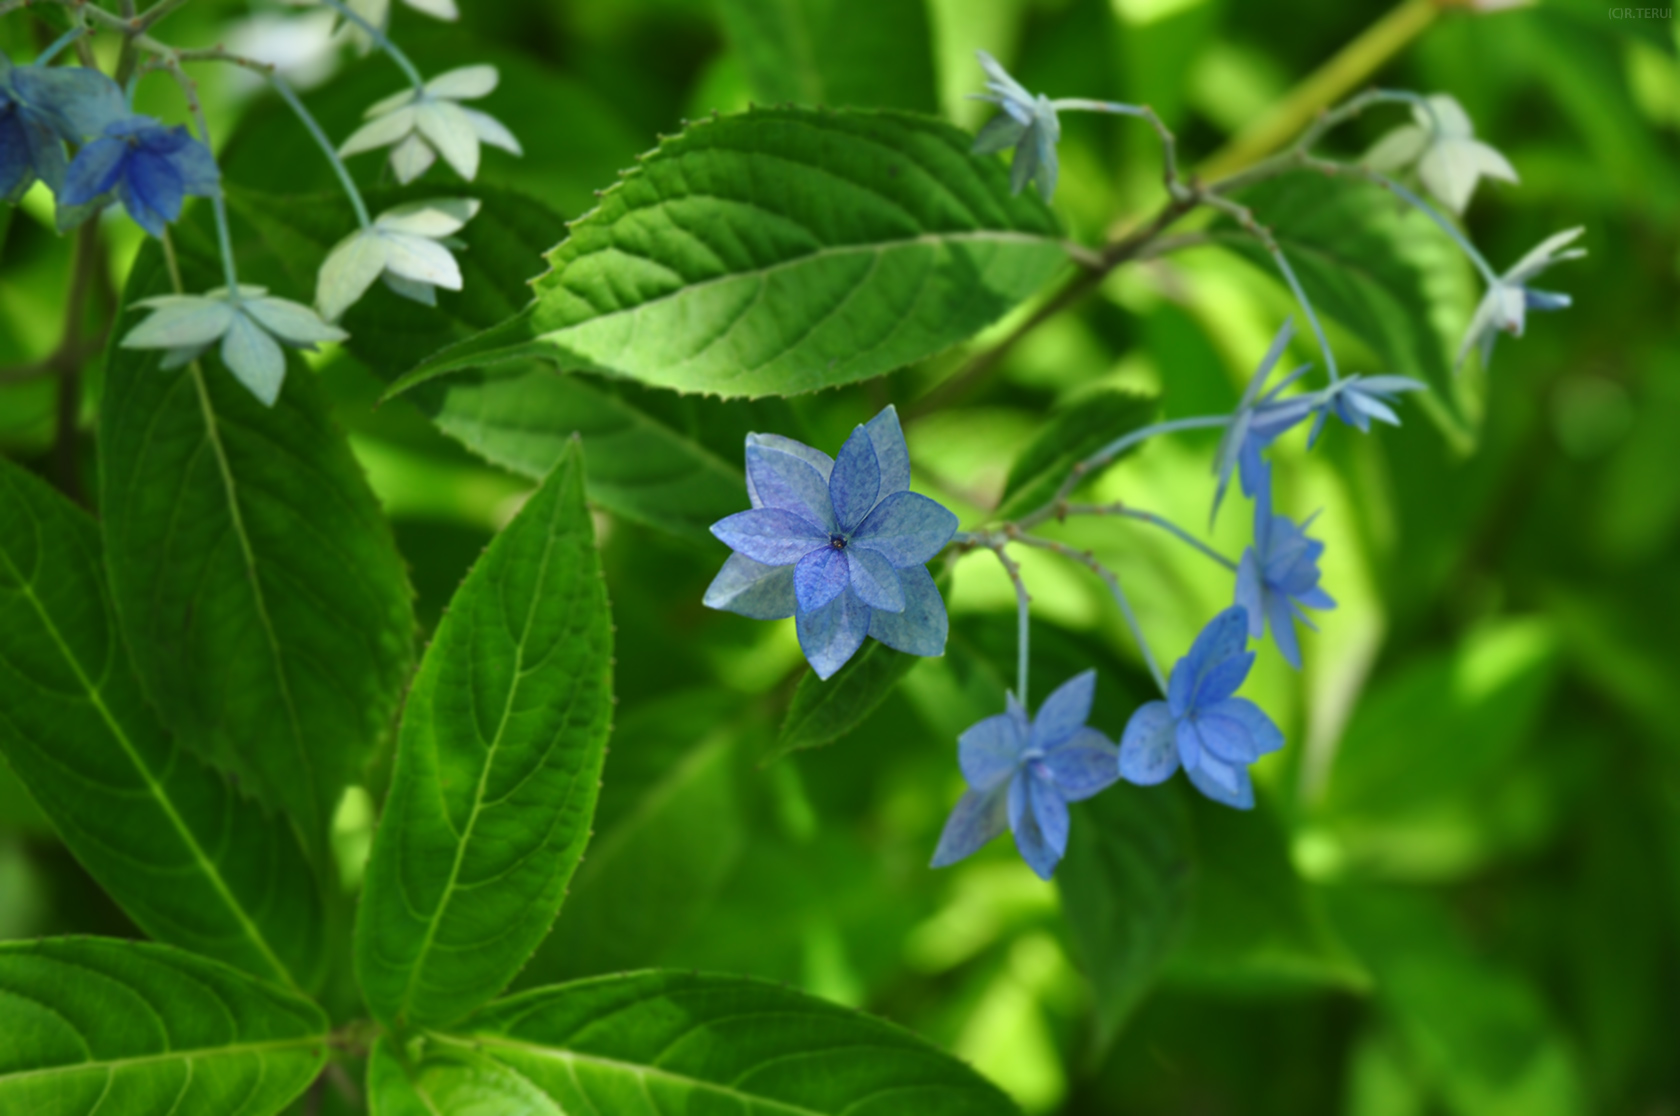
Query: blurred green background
1461	893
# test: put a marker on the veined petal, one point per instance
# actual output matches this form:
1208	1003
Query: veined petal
875	580
891	454
1148	749
832	634
769	535
922	627
855	485
446	126
254	358
492	131
821	575
1039	817
752	589
468	83
1224	738
1224	783
1065	711
193	321
781	480
1224	637
978	817
907	528
348	271
815	458
1083	765
989	751
424	261
1267	737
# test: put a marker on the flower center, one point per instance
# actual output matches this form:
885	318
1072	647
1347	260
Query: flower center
838	542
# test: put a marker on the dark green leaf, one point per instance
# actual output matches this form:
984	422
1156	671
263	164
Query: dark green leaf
497	768
778	252
664	1042
864	53
1073	435
1126	887
256	581
164	835
129	1027
1367	262
823	712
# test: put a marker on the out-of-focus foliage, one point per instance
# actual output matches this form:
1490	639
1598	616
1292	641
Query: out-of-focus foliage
1461	891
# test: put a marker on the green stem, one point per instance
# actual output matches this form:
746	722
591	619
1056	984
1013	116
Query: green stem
379	39
326	145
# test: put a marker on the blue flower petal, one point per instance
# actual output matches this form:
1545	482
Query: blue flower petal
923	625
990	750
815	458
1065	711
1148	750
1223	783
1223	678
154	180
1248	592
139	211
820	576
1225	636
777	479
855	485
1000	133
78	101
832	634
1282	622
1267	737
199	174
17	162
906	528
977	818
875	580
1039	817
1226	739
94	171
1189	742
753	589
46	152
1083	764
891	453
770	535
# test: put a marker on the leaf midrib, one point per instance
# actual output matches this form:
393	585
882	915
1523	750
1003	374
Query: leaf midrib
96	699
202	1052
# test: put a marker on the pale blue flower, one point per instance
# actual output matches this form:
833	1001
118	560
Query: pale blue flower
1442	145
1357	399
152	169
1279	575
1259	420
1029	124
841	545
1507	299
42	108
1201	726
1022	773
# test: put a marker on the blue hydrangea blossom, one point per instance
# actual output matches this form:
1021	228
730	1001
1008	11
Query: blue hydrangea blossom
1028	124
1278	576
1357	399
840	544
42	108
1202	726
151	167
1259	420
1022	772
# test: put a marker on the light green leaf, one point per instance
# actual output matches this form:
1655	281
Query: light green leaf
835	52
165	836
497	769
130	1027
778	252
1126	887
1075	433
1373	266
463	1084
649	1043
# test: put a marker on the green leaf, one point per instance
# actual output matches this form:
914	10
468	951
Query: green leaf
497	769
165	836
779	252
256	581
669	830
1255	924
667	1042
449	1085
835	52
1365	261
129	1027
1126	888
823	712
1079	430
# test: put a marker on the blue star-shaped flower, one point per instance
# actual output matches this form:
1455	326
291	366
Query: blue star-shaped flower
1503	307
1023	772
1356	400
1029	124
41	108
842	545
152	169
1278	575
1214	735
1259	420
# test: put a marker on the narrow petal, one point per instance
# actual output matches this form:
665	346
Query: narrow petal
1025	164
1224	783
780	480
752	589
1189	742
447	127
1267	737
1065	711
380	132
492	131
433	219
821	575
770	535
923	625
1222	679
387	105
907	528
1039	818
855	485
832	634
349	270
1248	593
189	322
1282	622
139	210
891	454
1085	764
875	580
1148	749
1491	163
1000	133
254	358
989	751
977	818
291	322
465	84
1225	636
